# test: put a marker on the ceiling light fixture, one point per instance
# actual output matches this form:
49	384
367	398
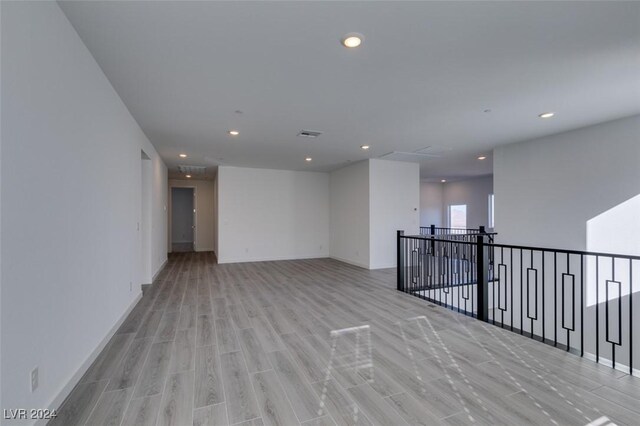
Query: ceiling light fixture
443	180
188	176
308	159
547	114
482	157
234	132
183	155
365	147
352	40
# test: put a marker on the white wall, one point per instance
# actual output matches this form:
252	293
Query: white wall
472	192
431	204
272	214
182	204
159	210
1	137
576	190
70	190
205	214
394	200
350	214
216	216
435	199
547	190
146	273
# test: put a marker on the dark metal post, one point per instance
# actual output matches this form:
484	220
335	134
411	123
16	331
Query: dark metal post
482	287
482	231
433	243
400	262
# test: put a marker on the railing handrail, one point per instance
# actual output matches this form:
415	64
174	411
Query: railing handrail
567	251
478	229
438	238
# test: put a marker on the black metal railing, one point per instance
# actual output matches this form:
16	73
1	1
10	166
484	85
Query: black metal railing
580	301
441	230
445	232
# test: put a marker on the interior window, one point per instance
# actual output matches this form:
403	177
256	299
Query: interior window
458	216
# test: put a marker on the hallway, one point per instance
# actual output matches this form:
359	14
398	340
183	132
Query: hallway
251	343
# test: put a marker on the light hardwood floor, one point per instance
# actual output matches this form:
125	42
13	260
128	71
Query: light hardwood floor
319	342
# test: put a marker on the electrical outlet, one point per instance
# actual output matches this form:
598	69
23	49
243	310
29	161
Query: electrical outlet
34	379
130	286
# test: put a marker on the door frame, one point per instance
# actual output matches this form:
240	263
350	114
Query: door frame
195	213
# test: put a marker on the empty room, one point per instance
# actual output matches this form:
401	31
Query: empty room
319	213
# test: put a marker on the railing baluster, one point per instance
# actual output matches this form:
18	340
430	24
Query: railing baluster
631	316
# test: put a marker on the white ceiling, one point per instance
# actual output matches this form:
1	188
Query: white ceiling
424	76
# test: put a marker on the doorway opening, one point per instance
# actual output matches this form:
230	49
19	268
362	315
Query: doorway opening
144	223
183	223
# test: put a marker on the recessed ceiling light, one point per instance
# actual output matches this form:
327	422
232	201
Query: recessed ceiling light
352	40
547	114
482	157
308	159
365	147
234	132
188	176
183	155
443	180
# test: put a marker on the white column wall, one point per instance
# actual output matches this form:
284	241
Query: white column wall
394	202
350	238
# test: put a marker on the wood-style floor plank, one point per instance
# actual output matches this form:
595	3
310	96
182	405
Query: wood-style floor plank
183	351
205	331
306	403
177	400
211	415
78	406
110	408
250	344
154	371
241	399
208	377
253	351
142	411
128	371
274	405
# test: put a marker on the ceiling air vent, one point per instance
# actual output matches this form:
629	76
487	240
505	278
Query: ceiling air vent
309	134
192	170
414	156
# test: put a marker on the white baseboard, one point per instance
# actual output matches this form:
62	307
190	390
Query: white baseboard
383	267
68	387
204	249
273	258
159	270
605	361
350	262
